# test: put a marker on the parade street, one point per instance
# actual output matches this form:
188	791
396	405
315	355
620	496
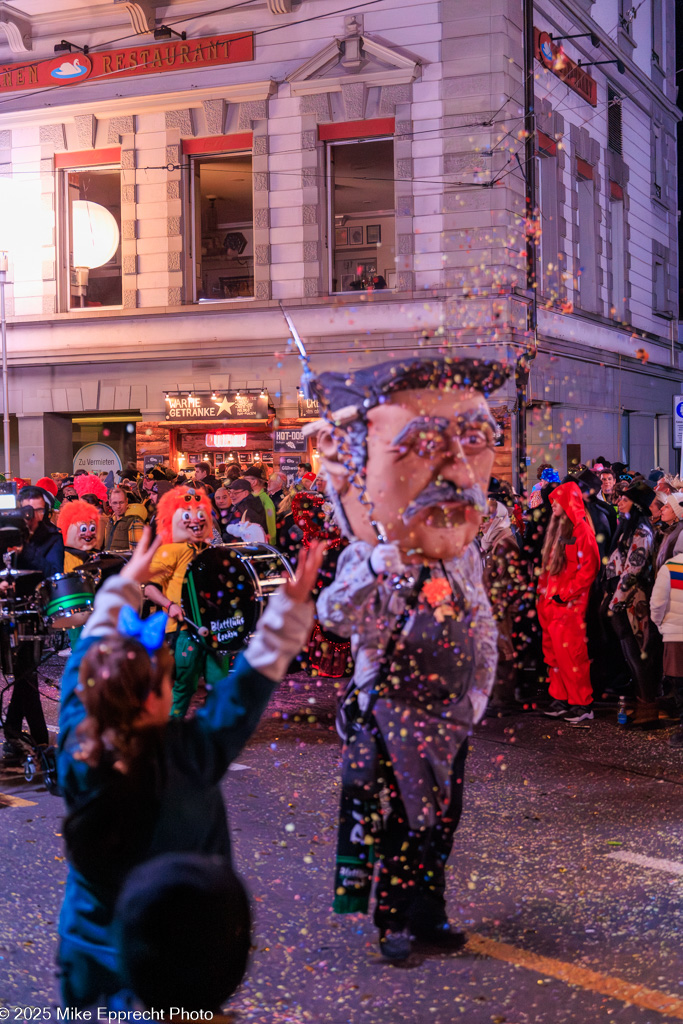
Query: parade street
566	873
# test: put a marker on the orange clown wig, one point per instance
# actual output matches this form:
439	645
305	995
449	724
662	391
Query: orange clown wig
90	484
76	512
172	501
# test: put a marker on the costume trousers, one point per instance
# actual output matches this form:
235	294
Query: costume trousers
25	700
642	666
193	660
411	886
565	650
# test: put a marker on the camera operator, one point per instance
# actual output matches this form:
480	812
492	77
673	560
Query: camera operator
43	552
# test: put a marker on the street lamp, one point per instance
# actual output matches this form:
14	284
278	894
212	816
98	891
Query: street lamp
5	383
95	239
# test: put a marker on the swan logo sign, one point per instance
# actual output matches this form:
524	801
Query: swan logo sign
72	69
145	59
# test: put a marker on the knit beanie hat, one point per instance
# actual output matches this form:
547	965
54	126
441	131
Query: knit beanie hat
675	500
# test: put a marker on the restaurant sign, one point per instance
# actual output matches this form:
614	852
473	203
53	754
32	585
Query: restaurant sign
230	405
307	407
289	441
146	59
572	74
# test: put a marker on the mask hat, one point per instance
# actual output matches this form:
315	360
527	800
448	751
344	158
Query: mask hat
641	495
240	485
179	498
346	398
590	482
182	926
76	512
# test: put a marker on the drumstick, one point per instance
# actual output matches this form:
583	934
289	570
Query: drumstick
199	630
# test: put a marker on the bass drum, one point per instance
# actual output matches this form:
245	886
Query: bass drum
226	589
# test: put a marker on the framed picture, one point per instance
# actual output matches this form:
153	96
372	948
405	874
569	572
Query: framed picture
356	236
373	234
390	278
341	236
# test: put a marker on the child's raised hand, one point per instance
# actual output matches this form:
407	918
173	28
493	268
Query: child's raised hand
308	567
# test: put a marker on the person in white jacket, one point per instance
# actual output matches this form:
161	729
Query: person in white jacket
666	611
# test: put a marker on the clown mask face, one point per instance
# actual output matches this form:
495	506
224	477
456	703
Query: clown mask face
82	536
190	523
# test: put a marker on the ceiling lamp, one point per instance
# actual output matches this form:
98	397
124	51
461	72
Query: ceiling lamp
95	239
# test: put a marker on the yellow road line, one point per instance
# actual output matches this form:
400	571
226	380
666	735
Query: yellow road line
615	988
15	801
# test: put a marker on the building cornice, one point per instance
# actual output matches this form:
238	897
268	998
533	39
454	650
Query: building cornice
116	107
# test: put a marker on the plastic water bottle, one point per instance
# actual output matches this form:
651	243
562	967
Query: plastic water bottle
622	717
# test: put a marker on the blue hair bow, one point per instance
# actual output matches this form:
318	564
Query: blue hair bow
149	632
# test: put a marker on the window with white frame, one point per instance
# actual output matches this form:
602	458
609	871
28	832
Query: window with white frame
618	258
361	217
658	158
223	226
657	23
588	264
547	272
91	271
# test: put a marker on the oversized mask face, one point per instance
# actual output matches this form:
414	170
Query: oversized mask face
190	522
82	535
429	459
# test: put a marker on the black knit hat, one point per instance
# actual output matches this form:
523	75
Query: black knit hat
366	387
641	495
183	928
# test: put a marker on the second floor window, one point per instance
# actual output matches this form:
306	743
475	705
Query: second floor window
361	215
223	208
91	259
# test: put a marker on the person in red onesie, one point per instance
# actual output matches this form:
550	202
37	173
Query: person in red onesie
569	564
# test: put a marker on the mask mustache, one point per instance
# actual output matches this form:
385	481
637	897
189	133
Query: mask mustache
440	494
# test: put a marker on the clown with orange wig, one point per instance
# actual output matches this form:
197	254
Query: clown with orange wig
184	524
79	524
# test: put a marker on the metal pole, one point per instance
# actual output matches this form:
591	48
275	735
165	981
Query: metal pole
523	367
5	380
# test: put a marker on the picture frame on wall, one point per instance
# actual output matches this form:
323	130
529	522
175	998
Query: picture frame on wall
390	278
356	236
341	236
373	234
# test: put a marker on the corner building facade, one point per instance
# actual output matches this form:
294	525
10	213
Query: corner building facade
368	170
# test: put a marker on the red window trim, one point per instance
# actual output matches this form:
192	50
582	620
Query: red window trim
584	170
218	143
356	129
89	157
546	144
616	191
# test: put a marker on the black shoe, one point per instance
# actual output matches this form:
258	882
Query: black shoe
579	713
12	753
676	737
395	946
442	936
556	709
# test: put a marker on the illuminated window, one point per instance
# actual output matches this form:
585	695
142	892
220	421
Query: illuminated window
223	210
91	229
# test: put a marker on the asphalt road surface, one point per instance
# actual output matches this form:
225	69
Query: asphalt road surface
567	874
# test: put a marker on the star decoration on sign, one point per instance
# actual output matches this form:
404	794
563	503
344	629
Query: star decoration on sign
225	406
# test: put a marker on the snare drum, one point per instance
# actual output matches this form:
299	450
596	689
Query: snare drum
226	589
66	599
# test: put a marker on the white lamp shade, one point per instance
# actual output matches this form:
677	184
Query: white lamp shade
95	234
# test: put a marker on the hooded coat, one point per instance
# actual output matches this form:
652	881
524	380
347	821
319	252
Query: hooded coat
562	603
